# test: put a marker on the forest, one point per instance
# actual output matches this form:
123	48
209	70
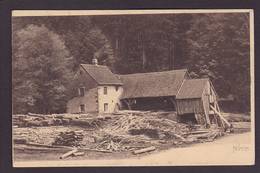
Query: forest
46	52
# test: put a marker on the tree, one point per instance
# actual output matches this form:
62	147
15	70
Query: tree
41	71
144	43
219	49
81	37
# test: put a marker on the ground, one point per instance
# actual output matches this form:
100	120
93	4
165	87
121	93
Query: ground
237	150
165	148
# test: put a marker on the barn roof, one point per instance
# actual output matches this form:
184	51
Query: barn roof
152	84
192	88
101	74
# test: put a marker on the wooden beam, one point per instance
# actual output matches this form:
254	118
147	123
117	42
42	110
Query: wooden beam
127	103
152	148
68	153
221	117
173	102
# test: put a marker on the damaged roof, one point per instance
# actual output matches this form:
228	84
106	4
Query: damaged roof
192	88
101	74
154	84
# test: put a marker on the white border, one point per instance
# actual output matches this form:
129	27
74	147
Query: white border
118	12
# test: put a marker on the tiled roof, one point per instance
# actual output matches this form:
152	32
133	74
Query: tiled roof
154	84
101	74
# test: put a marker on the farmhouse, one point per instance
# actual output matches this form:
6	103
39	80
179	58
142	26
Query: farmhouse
101	91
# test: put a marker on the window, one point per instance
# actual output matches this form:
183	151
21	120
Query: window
81	91
82	108
117	87
105	107
105	90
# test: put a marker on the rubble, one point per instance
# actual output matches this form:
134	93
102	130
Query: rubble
69	138
135	131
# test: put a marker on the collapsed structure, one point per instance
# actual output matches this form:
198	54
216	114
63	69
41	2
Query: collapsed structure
101	91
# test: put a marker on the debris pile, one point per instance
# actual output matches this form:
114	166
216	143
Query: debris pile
69	138
135	131
151	126
40	120
43	135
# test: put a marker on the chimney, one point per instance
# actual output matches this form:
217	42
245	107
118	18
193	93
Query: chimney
94	61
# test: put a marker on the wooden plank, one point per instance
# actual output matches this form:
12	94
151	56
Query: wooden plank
215	116
127	103
25	147
68	153
37	115
222	118
97	150
47	146
79	154
152	148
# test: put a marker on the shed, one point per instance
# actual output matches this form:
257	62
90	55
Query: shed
195	97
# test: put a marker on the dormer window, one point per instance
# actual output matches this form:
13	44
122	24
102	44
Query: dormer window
105	90
81	91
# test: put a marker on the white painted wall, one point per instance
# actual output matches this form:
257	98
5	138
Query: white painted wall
112	98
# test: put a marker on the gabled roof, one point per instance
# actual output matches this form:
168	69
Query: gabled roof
154	84
101	74
192	88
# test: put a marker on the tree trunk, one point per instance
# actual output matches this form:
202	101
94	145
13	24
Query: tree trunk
171	54
143	57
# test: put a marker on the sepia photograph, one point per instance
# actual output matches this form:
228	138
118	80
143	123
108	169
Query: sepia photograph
132	88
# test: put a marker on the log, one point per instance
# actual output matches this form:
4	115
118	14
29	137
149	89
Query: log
179	136
221	117
68	153
20	141
97	150
47	146
197	132
36	115
128	147
33	148
79	154
152	148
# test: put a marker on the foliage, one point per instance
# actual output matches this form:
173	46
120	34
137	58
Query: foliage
41	70
219	49
144	43
209	45
81	38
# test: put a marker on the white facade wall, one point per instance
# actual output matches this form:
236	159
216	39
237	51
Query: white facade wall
112	98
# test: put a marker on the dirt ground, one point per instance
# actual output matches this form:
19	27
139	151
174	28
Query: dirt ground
236	151
46	135
33	154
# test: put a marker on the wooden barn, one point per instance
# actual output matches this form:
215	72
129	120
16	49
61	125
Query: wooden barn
152	91
196	101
